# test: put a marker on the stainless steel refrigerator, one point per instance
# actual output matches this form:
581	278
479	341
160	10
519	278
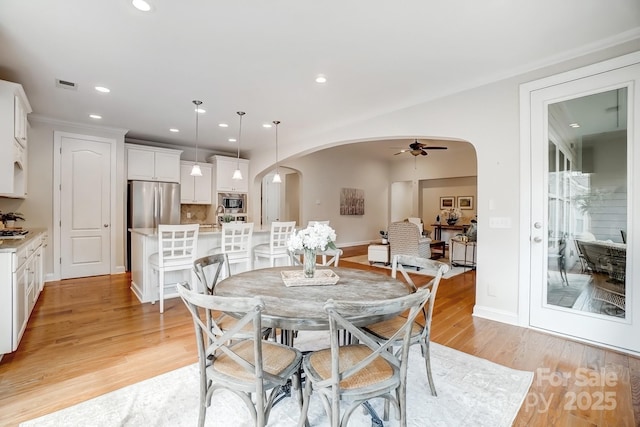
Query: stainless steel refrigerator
149	204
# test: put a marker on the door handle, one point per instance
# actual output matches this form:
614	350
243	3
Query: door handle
106	225
537	239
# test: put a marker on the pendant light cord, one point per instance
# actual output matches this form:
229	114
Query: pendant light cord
276	122
240	113
197	103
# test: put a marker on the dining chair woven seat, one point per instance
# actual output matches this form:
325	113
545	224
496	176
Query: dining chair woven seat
252	368
421	328
348	375
177	246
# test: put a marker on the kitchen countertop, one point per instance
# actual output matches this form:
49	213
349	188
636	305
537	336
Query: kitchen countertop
202	231
12	245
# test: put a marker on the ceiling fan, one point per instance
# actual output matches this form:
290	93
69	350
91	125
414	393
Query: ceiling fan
417	148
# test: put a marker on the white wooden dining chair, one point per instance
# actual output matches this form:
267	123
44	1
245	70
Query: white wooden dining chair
177	247
236	239
250	367
278	241
352	374
421	330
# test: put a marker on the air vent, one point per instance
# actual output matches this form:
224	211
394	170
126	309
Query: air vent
65	84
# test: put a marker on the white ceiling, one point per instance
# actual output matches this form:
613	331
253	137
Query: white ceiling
262	57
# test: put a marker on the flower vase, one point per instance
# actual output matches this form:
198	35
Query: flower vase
452	221
309	263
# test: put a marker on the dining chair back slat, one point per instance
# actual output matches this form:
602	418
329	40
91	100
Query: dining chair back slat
252	368
421	331
355	373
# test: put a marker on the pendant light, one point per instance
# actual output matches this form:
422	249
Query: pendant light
195	170
237	174
276	177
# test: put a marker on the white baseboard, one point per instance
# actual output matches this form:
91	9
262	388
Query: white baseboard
497	315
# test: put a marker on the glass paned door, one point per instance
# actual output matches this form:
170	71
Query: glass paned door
582	208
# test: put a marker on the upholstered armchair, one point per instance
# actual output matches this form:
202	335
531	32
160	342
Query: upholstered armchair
405	238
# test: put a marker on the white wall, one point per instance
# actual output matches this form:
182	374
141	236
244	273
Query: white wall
487	117
38	207
324	174
433	189
401	201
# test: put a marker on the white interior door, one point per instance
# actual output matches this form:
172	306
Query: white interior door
584	166
271	200
85	206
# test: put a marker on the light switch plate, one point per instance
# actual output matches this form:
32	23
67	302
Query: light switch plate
500	222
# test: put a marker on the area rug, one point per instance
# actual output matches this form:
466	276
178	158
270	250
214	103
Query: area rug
471	391
453	271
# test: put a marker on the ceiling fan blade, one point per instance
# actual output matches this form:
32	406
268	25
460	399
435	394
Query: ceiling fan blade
433	147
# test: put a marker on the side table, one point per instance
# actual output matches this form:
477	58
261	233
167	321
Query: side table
440	246
465	256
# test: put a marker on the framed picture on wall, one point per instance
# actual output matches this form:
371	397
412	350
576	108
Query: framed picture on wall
465	202
447	202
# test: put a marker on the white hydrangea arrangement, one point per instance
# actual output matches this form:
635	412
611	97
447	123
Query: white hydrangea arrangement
316	237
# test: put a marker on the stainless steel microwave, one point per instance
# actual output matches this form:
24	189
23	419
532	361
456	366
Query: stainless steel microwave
233	202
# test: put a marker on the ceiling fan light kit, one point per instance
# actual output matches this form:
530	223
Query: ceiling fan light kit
417	148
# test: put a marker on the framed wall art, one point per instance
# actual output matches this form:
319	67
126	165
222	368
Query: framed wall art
465	202
351	201
447	202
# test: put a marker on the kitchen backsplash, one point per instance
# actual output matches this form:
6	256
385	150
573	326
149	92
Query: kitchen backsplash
200	214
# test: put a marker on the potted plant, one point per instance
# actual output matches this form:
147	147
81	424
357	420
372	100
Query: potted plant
9	219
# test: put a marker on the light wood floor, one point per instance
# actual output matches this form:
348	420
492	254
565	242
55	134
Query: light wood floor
90	336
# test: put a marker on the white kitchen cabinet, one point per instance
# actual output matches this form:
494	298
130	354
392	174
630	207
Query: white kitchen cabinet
14	107
21	273
224	168
20	120
195	189
152	164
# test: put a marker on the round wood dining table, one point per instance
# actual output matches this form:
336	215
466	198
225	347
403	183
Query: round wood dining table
302	307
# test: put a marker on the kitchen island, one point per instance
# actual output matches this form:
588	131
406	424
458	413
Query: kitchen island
144	242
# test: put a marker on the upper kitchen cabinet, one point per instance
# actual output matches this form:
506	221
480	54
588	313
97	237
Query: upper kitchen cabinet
14	107
225	166
152	164
195	189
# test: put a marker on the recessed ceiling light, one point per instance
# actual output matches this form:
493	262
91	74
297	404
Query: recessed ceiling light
223	125
95	116
103	89
574	125
200	110
266	125
232	140
141	5
321	79
174	130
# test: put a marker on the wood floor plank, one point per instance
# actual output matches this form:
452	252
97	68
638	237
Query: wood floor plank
90	336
